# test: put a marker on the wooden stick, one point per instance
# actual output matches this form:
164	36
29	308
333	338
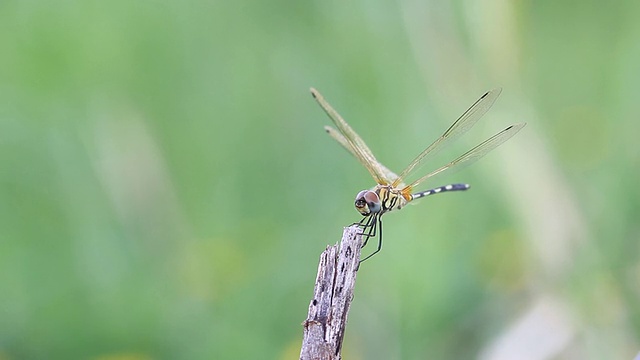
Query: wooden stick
327	318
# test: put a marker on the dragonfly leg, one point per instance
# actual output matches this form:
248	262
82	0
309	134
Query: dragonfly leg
360	223
364	225
371	232
379	225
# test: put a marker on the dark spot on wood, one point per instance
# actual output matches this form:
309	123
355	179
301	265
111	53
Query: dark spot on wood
314	302
348	252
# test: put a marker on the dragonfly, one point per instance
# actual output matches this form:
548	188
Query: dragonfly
391	193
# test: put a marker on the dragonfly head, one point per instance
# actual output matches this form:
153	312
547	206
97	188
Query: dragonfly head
368	202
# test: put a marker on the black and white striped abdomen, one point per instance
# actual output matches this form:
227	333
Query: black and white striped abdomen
450	187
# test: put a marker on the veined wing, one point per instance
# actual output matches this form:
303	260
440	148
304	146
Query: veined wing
459	127
337	136
472	155
353	142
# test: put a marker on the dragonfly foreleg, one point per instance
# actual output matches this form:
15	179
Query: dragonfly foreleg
378	224
369	228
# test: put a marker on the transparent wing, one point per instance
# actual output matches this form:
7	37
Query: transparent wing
352	141
337	136
472	155
459	127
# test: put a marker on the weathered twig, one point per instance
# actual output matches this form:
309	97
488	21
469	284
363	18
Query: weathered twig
332	296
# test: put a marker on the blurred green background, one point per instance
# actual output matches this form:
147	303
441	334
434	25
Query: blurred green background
166	186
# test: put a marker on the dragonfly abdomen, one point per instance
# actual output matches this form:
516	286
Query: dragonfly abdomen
450	187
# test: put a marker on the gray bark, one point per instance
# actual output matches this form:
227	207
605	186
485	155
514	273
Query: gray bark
327	318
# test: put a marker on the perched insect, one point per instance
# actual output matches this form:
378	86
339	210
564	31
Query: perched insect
391	193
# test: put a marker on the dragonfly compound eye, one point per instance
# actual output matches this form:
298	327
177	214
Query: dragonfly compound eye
367	202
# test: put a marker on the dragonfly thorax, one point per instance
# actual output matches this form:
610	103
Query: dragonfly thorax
381	199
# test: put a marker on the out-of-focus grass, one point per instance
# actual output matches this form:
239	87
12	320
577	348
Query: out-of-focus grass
166	186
